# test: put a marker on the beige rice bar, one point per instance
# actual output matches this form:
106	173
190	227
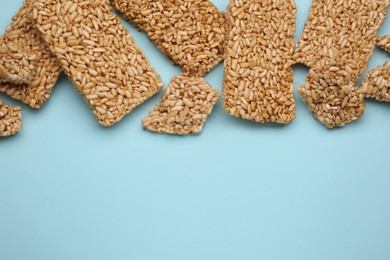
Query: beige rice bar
384	42
258	82
343	31
191	32
377	83
14	64
98	54
10	120
45	69
338	40
332	97
184	107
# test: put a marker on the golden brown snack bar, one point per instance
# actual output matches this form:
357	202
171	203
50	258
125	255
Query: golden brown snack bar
14	64
338	40
377	83
184	107
332	97
258	83
98	54
10	120
45	69
191	32
343	31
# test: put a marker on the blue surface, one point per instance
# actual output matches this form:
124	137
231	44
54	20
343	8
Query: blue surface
72	190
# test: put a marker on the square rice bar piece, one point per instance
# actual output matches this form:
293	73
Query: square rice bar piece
44	68
332	97
10	120
191	32
98	54
184	107
258	83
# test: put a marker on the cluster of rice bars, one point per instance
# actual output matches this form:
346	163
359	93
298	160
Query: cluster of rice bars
87	41
337	43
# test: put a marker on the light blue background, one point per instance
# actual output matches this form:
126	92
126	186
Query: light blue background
72	190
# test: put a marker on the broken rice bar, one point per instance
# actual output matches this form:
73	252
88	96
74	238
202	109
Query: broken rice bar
191	32
338	40
332	98
184	107
45	69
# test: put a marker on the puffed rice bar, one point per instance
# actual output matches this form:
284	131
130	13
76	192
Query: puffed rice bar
338	40
184	107
191	32
98	54
45	68
258	83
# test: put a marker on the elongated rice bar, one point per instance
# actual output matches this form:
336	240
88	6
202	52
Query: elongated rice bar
191	32
22	35
184	107
344	31
258	82
14	64
10	120
384	42
377	83
98	54
332	98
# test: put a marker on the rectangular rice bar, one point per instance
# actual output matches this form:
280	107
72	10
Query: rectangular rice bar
191	32
98	54
342	31
332	98
10	120
258	82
